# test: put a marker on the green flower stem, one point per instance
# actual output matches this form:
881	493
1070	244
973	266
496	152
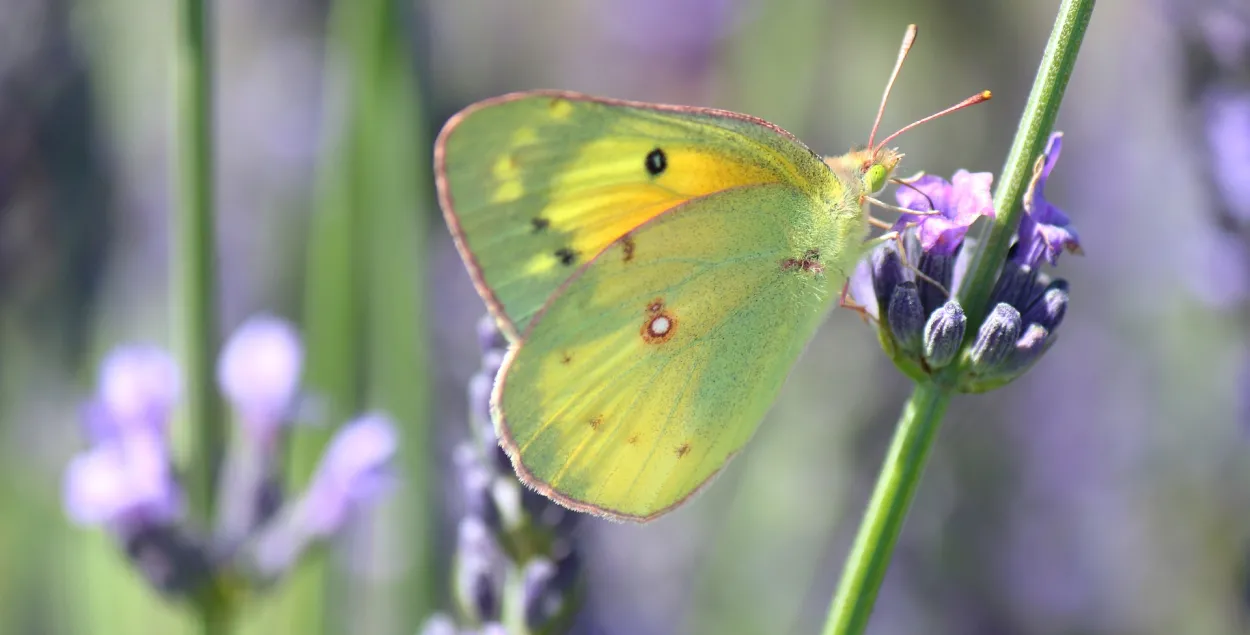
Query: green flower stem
1035	126
917	426
194	287
870	555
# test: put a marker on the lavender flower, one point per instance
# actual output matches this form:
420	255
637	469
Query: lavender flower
906	289
125	479
259	372
515	554
353	473
959	203
1045	231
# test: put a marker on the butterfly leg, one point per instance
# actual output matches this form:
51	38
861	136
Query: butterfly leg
846	302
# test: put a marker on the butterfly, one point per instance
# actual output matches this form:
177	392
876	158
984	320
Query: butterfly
657	270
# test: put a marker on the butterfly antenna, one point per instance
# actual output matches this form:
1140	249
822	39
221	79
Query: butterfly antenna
909	37
971	101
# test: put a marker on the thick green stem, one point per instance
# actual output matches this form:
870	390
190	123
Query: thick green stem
1035	125
900	474
874	544
194	286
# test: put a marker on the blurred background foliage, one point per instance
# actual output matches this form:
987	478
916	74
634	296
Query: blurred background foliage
1108	492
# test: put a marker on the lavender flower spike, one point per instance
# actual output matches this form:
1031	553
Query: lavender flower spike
259	373
354	470
1045	231
960	202
125	479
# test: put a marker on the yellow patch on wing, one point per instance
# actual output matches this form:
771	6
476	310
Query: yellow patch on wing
507	192
561	108
601	198
525	135
505	168
539	264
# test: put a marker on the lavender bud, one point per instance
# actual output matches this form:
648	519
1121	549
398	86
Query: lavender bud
1049	309
478	575
938	267
887	273
489	337
492	361
542	602
568	563
476	481
906	317
172	562
943	334
1015	284
439	624
1028	349
996	338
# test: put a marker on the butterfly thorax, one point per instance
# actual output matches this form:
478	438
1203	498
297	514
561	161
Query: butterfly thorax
860	173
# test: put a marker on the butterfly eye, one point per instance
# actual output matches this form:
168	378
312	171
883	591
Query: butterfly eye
875	177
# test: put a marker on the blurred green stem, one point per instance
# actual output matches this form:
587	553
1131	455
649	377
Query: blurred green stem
194	286
874	544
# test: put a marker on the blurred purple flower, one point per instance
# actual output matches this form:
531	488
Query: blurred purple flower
138	388
1228	136
259	373
960	202
1045	230
355	469
125	479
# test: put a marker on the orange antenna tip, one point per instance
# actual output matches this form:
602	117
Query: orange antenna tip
982	96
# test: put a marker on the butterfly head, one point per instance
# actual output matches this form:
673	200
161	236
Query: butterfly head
868	168
877	169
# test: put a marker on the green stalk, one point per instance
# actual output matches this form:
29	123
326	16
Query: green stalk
195	286
1035	126
870	555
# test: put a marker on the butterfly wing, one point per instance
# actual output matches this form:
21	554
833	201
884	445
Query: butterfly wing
655	364
534	185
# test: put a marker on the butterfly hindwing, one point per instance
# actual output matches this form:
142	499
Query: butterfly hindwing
534	185
654	365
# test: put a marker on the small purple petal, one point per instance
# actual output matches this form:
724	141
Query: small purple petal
259	372
861	290
958	205
1228	136
918	194
354	470
123	482
139	386
1045	231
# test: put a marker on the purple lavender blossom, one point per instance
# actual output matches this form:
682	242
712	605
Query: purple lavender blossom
355	470
1228	137
125	480
960	202
1045	231
906	290
259	374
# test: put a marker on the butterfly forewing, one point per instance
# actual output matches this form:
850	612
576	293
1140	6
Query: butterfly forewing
534	185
